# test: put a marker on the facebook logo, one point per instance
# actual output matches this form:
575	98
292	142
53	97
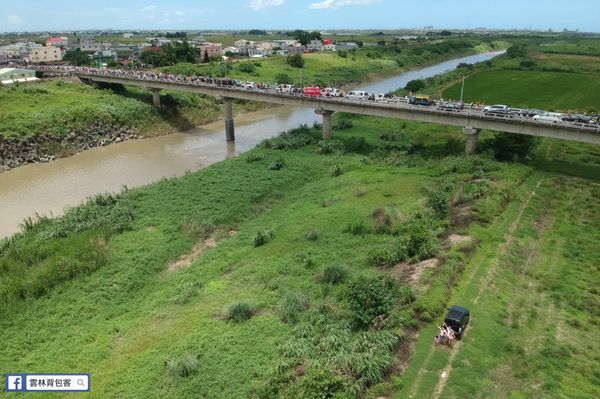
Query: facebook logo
15	383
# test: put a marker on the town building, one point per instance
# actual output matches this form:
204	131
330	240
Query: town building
18	51
347	46
12	75
46	54
212	49
329	47
315	45
296	49
89	44
57	41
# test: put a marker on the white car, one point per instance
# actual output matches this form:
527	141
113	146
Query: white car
497	109
549	117
357	95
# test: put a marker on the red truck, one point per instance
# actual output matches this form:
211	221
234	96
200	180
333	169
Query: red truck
312	91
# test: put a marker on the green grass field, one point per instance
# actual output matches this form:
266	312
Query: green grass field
534	89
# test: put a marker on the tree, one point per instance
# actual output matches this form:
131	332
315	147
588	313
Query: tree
305	37
516	51
77	57
415	85
283	79
295	60
512	147
247	67
205	57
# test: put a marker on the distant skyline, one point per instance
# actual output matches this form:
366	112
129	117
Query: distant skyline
57	15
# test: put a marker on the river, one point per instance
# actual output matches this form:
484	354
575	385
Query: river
48	188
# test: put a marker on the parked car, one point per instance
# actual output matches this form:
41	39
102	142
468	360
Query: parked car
452	105
549	117
421	100
531	112
331	92
357	95
312	91
577	118
282	88
457	319
497	109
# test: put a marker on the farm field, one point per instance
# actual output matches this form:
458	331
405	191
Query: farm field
558	91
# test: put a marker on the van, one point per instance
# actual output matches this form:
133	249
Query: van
548	117
357	95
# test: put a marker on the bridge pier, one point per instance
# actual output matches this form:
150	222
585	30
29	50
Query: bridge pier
229	123
327	123
472	137
155	97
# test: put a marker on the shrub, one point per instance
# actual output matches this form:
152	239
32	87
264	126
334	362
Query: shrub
262	237
239	312
330	147
312	235
359	191
247	68
438	201
283	78
321	383
393	135
343	124
295	60
357	228
369	297
335	274
415	85
197	227
383	221
187	291
254	158
183	366
337	170
418	241
386	257
291	305
277	164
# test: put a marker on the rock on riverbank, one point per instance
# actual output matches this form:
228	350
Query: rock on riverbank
44	147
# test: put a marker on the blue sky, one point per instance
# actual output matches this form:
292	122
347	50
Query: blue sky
37	15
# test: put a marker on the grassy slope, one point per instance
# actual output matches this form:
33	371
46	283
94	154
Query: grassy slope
553	90
122	320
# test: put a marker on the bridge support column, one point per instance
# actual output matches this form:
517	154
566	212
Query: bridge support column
327	124
156	97
472	137
229	123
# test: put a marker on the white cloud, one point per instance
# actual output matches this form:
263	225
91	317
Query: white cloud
260	4
335	4
179	12
14	19
148	8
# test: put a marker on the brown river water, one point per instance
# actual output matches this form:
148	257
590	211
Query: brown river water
48	188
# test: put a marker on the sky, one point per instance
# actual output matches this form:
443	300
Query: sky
56	15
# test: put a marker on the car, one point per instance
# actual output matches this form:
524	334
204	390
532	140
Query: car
531	112
452	105
548	117
457	318
497	109
357	95
577	118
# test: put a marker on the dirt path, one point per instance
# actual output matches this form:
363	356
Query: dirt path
445	374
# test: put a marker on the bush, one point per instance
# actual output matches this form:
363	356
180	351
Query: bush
239	312
291	305
386	257
254	158
278	164
312	235
295	60
383	221
335	274
438	201
187	291
283	78
321	383
183	366
359	191
262	237
511	147
247	68
357	228
330	147
197	227
343	124
337	170
415	85
370	297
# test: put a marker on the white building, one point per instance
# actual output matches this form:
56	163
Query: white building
46	54
315	45
128	35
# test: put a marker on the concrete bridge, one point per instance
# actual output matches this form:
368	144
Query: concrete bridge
471	120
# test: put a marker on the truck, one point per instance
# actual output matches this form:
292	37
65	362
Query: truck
312	91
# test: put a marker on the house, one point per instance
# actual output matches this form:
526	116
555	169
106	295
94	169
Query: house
57	41
212	49
105	56
296	49
128	35
231	50
12	75
315	45
327	41
329	47
347	46
258	52
89	44
283	43
18	50
244	45
45	54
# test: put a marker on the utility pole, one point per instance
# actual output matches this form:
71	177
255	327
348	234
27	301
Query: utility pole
462	89
302	78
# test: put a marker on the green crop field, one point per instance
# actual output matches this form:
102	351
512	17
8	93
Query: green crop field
534	89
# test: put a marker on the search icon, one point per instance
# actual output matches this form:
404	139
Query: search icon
80	382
